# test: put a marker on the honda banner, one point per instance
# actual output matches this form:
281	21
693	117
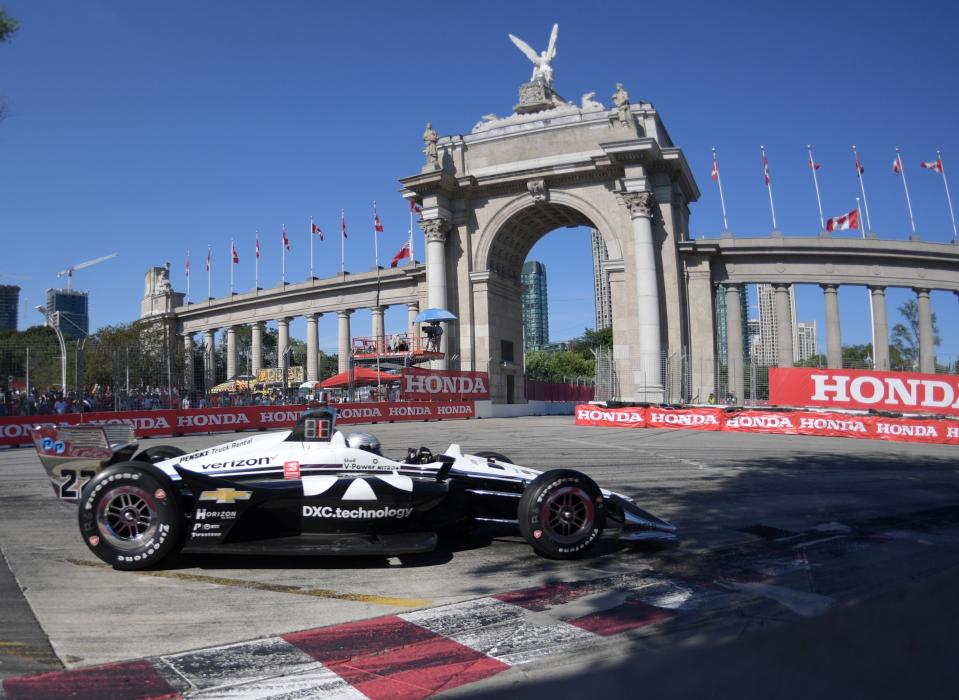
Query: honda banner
15	430
687	418
901	392
437	385
587	414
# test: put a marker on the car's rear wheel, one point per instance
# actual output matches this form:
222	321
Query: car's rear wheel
131	517
498	456
561	513
158	454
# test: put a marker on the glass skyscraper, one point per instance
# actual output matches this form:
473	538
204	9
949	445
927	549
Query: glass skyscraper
535	305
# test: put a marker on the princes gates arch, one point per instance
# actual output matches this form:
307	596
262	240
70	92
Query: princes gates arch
488	196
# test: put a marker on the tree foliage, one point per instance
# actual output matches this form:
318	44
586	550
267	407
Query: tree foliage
905	336
8	25
557	366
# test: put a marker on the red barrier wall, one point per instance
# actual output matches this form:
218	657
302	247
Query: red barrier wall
15	430
823	424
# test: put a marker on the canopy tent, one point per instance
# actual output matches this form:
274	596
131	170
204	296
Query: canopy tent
235	384
435	316
361	377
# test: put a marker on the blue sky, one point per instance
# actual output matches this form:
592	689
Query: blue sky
151	129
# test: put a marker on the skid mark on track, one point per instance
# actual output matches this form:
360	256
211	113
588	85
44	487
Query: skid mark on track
271	587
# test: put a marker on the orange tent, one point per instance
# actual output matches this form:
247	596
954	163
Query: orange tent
361	377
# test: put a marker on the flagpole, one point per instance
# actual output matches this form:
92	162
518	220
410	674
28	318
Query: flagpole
872	319
862	187
256	274
376	242
188	277
209	272
719	181
905	187
769	184
342	242
815	181
232	265
952	214
283	256
311	248
411	232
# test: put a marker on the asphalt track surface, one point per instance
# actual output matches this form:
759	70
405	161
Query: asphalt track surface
778	534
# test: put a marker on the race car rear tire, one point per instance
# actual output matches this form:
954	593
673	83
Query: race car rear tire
158	454
561	513
131	517
498	456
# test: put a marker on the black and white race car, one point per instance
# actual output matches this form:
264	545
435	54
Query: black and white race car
313	490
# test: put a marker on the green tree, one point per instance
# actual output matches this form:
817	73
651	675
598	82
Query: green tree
8	25
905	336
555	366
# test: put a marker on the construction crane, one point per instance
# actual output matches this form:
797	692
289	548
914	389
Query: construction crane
68	273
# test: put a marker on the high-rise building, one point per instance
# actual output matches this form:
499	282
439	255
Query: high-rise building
74	311
808	343
754	337
535	305
721	312
768	333
9	304
604	305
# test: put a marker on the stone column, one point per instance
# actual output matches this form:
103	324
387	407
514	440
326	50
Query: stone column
256	347
209	359
312	347
231	352
648	375
880	329
436	231
282	348
927	351
377	328
701	324
734	343
784	325
343	327
833	333
412	327
188	378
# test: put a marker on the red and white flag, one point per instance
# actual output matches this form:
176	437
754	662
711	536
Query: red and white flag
257	246
932	165
859	167
377	224
286	241
236	256
766	169
187	264
813	164
714	175
403	252
844	222
343	224
415	208
317	230
209	254
896	166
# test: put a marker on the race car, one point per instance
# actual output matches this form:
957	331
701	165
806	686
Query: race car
314	490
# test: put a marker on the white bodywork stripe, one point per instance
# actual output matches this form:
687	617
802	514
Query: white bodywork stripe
359	490
315	485
398	481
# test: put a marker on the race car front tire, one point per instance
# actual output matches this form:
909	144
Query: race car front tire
158	454
130	516
561	513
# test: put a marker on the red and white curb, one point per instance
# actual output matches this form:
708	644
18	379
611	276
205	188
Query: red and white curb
412	655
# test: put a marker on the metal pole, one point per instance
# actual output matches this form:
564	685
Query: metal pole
945	183
905	187
719	181
815	180
28	373
862	187
311	247
769	184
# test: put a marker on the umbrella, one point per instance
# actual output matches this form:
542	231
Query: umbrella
434	315
361	377
311	384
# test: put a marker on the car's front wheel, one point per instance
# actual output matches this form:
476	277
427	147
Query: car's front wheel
131	516
561	513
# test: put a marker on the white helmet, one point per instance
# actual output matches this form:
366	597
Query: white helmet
364	441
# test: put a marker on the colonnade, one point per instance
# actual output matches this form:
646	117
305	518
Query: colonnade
257	329
784	340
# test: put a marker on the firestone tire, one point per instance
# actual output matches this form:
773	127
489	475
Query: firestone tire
498	456
158	454
130	516
561	514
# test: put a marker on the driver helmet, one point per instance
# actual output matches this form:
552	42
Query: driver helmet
364	441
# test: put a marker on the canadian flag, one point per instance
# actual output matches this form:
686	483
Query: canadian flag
859	167
844	222
209	255
766	169
932	165
286	241
343	223
258	246
813	164
377	224
187	264
415	208
714	175
896	166
236	257
403	252
317	230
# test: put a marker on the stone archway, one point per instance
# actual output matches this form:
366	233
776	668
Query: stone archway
493	193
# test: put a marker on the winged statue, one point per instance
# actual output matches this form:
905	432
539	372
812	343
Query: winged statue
542	71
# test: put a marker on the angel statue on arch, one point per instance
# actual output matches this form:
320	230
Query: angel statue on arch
542	71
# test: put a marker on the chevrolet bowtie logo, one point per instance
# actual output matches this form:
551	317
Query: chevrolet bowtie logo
225	496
